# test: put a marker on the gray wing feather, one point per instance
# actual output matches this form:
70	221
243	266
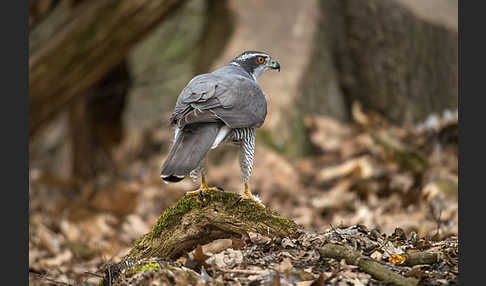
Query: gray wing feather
234	99
242	105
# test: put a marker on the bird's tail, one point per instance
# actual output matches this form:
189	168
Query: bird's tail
187	152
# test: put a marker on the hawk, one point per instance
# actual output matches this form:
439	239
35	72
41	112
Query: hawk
226	105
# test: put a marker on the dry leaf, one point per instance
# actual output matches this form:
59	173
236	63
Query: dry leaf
237	243
58	260
285	266
217	245
48	239
376	255
397	258
304	283
200	257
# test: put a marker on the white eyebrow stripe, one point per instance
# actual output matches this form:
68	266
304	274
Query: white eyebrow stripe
246	56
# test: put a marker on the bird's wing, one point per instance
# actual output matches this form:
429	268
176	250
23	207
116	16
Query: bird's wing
235	100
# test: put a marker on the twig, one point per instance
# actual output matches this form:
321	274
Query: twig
366	264
44	276
248	272
417	258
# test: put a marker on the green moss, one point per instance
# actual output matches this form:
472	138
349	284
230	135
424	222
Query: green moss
244	210
160	239
174	214
249	211
141	268
170	218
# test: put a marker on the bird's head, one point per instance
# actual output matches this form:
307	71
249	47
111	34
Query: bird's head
255	63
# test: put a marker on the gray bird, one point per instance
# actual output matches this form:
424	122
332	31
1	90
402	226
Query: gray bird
223	106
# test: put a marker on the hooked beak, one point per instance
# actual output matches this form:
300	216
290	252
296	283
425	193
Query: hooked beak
275	65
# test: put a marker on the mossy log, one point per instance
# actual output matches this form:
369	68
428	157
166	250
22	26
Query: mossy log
197	220
192	221
366	264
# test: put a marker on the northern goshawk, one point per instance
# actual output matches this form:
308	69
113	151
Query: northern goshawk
223	106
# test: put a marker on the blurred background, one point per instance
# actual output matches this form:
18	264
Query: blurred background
361	125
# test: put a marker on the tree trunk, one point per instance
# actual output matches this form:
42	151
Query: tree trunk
96	38
389	58
95	123
219	27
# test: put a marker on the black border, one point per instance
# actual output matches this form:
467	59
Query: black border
472	118
15	141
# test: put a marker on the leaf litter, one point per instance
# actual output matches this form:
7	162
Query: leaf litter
386	191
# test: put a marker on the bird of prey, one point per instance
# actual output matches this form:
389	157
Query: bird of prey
223	106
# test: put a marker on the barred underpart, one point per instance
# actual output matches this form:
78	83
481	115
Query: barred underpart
245	138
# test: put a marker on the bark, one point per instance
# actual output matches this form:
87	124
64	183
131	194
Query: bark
383	55
194	221
95	122
96	38
417	258
219	27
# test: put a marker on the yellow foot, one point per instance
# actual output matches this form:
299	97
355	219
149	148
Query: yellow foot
203	189
247	195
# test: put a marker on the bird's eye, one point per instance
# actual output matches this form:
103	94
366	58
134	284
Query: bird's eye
260	60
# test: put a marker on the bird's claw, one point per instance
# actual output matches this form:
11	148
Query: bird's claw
237	200
250	198
247	195
203	189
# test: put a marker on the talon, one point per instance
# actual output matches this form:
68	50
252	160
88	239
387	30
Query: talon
247	195
237	200
196	192
203	188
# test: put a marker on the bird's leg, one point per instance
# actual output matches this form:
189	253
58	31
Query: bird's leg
247	151
247	195
203	188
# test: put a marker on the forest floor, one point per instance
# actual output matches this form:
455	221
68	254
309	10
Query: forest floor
383	190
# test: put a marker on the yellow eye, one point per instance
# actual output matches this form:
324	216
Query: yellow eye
260	60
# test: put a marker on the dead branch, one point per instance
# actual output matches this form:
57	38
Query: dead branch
366	264
417	258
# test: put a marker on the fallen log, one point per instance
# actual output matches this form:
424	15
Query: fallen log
418	258
194	221
366	264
